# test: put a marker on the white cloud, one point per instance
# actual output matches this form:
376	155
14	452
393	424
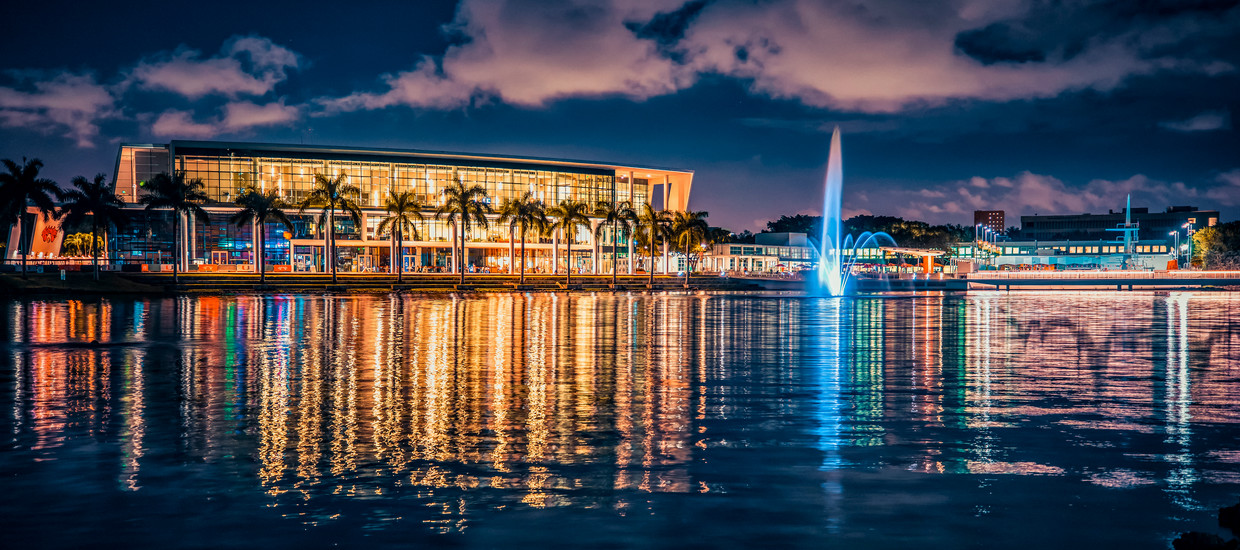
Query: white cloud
248	65
237	117
529	53
1204	122
1028	193
68	104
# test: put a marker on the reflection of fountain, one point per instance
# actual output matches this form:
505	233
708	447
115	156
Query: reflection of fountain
834	269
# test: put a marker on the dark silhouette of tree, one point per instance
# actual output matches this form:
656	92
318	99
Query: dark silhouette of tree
329	195
465	206
523	214
183	198
20	185
98	200
621	217
260	207
569	215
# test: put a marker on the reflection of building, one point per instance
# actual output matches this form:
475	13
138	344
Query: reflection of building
227	168
1154	225
993	219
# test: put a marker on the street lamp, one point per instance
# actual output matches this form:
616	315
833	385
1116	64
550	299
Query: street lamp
1188	234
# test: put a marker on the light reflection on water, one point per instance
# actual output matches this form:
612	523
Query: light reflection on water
759	419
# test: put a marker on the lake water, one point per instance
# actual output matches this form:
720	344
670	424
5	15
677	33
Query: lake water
1021	420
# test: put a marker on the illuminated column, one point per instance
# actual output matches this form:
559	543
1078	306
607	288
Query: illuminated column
594	246
452	226
512	249
255	227
555	252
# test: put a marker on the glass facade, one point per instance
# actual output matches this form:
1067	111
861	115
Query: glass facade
227	168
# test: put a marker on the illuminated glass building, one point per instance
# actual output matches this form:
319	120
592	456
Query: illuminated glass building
226	168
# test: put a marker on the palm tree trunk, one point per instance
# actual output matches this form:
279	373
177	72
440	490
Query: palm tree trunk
652	255
462	256
21	235
688	267
262	255
568	260
522	255
176	251
615	255
94	248
331	237
400	259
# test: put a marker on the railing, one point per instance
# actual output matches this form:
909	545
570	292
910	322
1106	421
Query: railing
1094	275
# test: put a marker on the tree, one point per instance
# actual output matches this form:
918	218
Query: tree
569	215
260	207
800	223
523	214
464	206
183	198
1217	246
403	210
97	200
21	185
653	226
621	216
689	231
329	195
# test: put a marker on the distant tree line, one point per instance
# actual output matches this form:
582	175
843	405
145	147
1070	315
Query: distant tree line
910	233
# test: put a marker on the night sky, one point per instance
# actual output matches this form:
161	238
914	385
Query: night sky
945	107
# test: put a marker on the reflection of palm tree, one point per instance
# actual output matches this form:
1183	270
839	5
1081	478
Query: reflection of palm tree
329	195
21	185
621	217
689	231
183	198
654	226
464	206
523	214
403	209
569	215
259	207
96	199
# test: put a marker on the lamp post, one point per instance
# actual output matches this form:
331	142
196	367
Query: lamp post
1188	234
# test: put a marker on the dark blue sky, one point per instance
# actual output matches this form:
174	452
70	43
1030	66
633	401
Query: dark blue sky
1028	106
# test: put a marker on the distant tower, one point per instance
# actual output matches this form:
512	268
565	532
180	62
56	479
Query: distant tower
994	219
1129	228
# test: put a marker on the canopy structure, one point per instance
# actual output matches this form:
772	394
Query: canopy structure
925	254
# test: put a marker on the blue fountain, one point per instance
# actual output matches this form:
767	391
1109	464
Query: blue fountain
839	251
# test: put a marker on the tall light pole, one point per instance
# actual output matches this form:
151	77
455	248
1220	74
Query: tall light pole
1188	234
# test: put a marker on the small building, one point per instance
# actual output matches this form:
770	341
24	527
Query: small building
994	219
1064	254
1151	225
769	253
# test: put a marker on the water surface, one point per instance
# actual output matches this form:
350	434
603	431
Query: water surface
1022	420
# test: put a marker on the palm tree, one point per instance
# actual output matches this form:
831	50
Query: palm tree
523	214
330	195
260	207
403	210
689	231
621	216
569	215
464	206
182	197
655	225
96	199
22	185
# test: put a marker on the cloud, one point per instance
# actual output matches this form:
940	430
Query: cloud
1204	122
246	65
530	53
864	57
1027	193
887	57
237	117
68	104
